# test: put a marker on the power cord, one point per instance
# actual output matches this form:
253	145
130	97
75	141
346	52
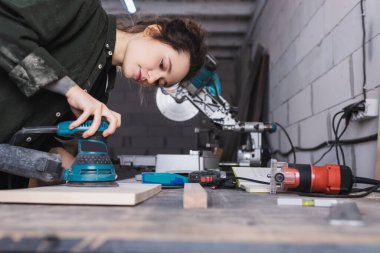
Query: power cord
329	143
355	191
360	180
344	115
324	154
293	150
335	131
363	50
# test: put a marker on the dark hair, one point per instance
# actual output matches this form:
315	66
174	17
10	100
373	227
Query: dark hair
182	34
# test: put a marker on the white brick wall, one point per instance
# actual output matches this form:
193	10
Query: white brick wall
315	52
317	62
300	105
365	155
332	88
373	62
311	35
314	130
344	43
281	114
372	17
335	11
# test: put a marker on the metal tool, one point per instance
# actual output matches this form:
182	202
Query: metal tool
165	179
203	93
205	178
306	178
92	165
174	163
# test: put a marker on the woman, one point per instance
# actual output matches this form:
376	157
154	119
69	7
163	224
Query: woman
59	55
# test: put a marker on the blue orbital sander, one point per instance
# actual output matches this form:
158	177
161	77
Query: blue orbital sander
92	165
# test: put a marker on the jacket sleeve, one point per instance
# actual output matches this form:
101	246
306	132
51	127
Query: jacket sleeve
28	31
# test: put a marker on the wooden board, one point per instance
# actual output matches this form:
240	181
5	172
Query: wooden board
235	221
125	195
194	196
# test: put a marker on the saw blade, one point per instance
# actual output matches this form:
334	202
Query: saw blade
173	110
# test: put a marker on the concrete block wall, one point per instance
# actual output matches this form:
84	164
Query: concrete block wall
145	131
315	49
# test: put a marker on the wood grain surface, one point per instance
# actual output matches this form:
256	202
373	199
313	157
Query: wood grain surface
235	221
124	194
194	196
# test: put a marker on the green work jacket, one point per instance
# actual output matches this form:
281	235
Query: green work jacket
42	41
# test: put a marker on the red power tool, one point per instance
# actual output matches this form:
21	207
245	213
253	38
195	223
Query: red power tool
306	178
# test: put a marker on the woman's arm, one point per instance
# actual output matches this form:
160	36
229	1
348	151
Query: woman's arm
67	158
25	35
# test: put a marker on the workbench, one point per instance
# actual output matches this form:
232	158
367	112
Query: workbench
235	221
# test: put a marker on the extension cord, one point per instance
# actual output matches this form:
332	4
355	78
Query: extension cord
371	110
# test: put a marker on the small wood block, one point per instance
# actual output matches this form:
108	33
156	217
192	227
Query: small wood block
194	196
125	195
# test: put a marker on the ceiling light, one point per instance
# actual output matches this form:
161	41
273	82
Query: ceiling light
130	5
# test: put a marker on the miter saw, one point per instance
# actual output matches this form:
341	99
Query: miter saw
202	93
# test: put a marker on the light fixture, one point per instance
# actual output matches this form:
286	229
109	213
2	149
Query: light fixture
130	5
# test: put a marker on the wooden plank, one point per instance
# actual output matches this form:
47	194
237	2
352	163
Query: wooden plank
125	195
235	221
194	196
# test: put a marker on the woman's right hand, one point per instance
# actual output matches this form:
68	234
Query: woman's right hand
84	105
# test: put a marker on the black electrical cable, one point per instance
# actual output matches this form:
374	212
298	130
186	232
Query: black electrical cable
290	142
337	138
223	180
322	195
364	180
363	50
335	131
347	113
359	180
372	137
354	190
324	154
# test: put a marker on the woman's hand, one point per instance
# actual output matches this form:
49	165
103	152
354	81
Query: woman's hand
66	158
84	105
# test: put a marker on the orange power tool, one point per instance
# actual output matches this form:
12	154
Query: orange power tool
306	178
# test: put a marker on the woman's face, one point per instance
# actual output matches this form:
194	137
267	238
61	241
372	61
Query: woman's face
153	63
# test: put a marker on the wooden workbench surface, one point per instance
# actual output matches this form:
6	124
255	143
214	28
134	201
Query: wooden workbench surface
235	221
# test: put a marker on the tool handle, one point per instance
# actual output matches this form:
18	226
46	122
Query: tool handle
64	130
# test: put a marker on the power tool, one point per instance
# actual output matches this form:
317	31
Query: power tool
92	165
202	93
321	181
306	178
166	179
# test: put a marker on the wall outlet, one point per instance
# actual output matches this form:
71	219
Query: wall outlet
371	110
